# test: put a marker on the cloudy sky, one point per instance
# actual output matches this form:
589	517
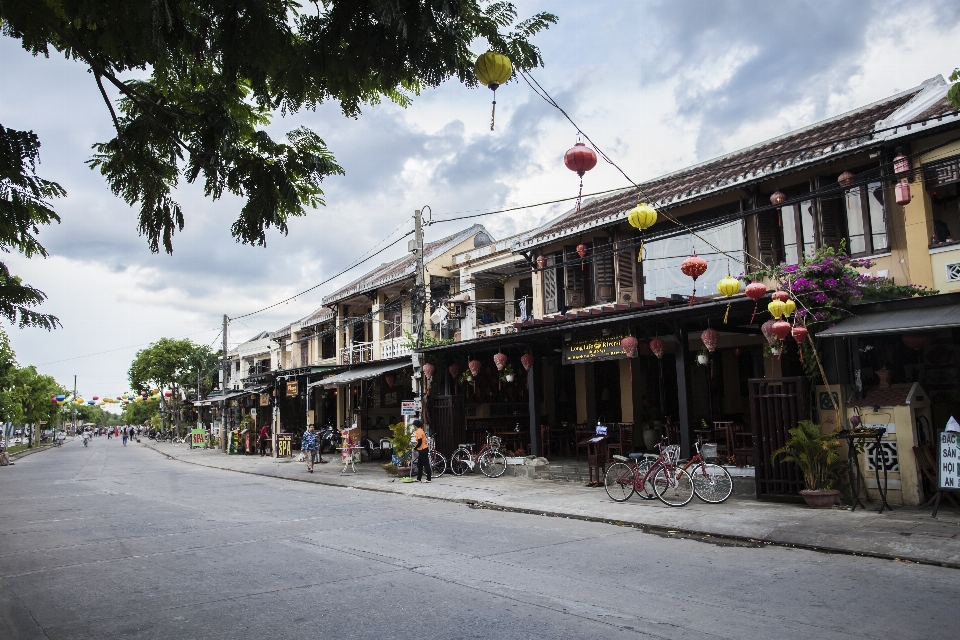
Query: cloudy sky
658	85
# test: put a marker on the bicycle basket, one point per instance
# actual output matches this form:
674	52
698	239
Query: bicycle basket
494	442
709	450
672	453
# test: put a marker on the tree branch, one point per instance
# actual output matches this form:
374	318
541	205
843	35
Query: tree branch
106	99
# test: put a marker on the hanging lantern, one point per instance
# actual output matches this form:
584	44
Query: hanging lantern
582	252
789	307
642	217
755	290
846	179
454	370
96	397
500	359
91	402
390	379
541	262
916	341
629	346
53	399
474	367
527	361
729	287
492	70
781	329
61	398
656	347
428	370
799	333
767	329
777	197
580	158
710	338
167	393
782	296
901	164
775	308
694	267
902	192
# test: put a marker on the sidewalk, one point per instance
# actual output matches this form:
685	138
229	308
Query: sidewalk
906	534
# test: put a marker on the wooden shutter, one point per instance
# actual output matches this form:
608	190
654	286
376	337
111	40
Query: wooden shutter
573	277
603	278
551	304
832	224
626	265
769	237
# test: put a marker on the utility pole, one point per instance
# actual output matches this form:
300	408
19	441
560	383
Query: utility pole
225	363
74	403
417	306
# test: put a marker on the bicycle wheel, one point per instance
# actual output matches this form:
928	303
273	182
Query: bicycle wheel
438	464
458	462
674	487
643	485
712	483
618	481
493	464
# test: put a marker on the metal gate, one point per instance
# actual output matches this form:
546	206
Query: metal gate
776	405
448	424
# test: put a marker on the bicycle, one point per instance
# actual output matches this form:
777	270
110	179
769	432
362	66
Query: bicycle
650	477
711	482
492	463
438	464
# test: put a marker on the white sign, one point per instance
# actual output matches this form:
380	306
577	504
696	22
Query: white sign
949	461
408	408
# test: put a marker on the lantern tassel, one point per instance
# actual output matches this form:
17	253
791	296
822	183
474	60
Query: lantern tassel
640	252
754	314
493	111
726	316
694	292
580	194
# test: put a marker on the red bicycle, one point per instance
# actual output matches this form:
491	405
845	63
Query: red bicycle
650	477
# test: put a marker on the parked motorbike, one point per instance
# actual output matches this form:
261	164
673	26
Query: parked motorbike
329	439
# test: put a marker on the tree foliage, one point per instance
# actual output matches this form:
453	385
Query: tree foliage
169	362
954	92
220	69
140	412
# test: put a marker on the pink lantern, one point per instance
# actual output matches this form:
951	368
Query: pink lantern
710	337
167	393
96	397
428	370
500	359
846	179
755	291
777	197
799	334
901	164
527	361
902	191
454	370
474	366
781	328
389	378
782	296
629	346
656	346
767	329
541	262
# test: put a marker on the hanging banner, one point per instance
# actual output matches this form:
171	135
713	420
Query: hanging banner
594	348
292	387
198	438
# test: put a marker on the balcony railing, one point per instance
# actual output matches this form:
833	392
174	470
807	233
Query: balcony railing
356	353
489	330
394	348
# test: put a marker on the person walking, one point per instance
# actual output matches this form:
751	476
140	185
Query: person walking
423	451
309	446
264	438
124	434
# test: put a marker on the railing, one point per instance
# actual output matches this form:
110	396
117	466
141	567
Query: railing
488	330
356	353
394	348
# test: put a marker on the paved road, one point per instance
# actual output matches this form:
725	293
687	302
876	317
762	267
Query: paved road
111	542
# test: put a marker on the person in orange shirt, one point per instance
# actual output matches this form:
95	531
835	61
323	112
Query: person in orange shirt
423	451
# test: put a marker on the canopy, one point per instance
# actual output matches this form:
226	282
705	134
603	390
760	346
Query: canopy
901	321
217	399
360	373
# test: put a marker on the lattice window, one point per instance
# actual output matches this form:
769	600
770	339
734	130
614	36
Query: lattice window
884	456
953	272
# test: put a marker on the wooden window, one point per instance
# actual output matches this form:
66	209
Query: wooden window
626	267
603	278
573	276
770	238
551	292
328	346
393	327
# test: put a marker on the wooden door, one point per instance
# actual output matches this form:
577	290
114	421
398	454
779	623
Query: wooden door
573	276
628	287
551	292
448	423
777	405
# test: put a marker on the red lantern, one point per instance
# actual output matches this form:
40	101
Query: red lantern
541	262
656	346
767	329
845	179
782	296
799	334
500	359
53	399
580	158
781	329
916	341
710	338
474	366
777	197
694	267
629	346
755	291
166	393
389	378
582	252
902	191
454	370
527	361
96	397
428	370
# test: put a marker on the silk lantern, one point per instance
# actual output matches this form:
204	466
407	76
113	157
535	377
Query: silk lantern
642	217
902	193
799	334
629	346
527	361
582	252
846	179
710	338
492	70
541	261
694	267
777	197
428	370
781	329
729	287
775	308
755	291
767	330
580	158
390	379
500	359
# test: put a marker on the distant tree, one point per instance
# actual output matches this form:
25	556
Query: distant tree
10	410
32	391
140	412
954	92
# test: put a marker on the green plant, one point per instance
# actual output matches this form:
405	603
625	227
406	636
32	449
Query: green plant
390	468
428	340
706	356
816	453
400	439
507	371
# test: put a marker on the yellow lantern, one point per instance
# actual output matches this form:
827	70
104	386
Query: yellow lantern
789	307
776	308
641	217
492	70
729	286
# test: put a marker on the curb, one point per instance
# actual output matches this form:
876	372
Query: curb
27	452
663	531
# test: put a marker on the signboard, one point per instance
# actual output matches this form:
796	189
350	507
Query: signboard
264	399
594	348
408	408
292	387
601	430
284	445
949	464
198	438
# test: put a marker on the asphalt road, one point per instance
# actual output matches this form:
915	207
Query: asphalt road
114	542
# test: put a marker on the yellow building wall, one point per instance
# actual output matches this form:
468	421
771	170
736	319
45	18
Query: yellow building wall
939	259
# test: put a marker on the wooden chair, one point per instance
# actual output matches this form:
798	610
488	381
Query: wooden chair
545	440
581	434
723	437
621	441
673	433
927	461
742	445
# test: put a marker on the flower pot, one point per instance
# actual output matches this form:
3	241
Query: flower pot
703	359
509	377
651	436
820	499
403	471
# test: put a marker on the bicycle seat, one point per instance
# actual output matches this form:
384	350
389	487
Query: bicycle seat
620	458
468	446
637	456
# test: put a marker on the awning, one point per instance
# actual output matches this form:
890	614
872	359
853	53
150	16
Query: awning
360	373
218	399
899	321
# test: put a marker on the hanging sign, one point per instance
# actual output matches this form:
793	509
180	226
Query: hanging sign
292	387
594	348
197	438
949	466
408	408
264	399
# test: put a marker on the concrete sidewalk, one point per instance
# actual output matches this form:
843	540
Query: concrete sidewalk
906	534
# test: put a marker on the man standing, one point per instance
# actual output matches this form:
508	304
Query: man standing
264	439
309	446
124	433
423	452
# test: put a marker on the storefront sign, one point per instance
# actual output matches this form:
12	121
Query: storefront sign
949	460
408	408
593	348
292	387
197	438
284	445
264	400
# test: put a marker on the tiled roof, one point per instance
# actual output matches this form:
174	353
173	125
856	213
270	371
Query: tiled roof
319	316
784	154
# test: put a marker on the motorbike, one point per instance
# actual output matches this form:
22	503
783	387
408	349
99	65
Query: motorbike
329	439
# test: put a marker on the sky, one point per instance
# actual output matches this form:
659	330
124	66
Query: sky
657	85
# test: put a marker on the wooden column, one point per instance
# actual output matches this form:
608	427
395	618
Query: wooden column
532	407
684	399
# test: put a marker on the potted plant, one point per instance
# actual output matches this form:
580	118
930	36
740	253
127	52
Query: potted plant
703	357
507	374
818	456
400	442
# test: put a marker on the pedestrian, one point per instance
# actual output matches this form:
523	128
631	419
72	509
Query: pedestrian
124	433
264	438
423	452
309	446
